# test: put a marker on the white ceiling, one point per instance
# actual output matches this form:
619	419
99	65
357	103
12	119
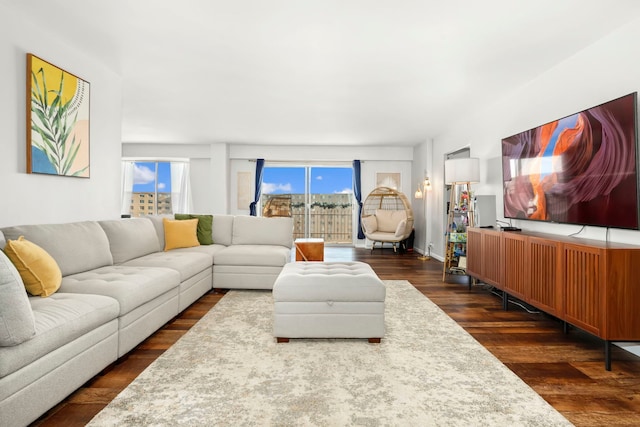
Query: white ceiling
328	72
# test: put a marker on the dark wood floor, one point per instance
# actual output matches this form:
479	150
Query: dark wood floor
567	370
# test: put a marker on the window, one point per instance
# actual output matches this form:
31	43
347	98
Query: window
319	200
161	186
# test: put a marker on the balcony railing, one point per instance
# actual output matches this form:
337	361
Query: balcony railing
333	225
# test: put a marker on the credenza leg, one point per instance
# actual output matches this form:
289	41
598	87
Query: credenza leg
565	328
505	301
607	355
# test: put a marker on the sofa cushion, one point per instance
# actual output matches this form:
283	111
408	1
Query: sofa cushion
222	229
130	286
251	230
204	230
388	220
156	220
188	264
59	319
130	238
17	323
38	270
210	250
76	246
253	255
180	233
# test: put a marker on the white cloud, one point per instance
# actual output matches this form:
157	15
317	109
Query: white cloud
143	175
161	186
270	188
345	191
319	177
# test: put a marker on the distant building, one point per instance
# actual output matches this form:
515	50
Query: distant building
143	204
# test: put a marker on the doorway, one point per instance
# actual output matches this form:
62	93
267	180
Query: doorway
319	199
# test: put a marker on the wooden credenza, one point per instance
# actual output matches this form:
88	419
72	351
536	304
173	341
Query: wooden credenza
590	284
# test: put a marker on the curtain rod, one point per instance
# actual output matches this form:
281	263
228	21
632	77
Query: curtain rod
306	162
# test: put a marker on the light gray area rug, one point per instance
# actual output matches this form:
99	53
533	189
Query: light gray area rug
229	371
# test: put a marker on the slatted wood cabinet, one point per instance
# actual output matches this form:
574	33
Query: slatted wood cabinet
590	284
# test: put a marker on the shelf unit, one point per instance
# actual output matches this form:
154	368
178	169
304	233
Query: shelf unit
589	284
460	217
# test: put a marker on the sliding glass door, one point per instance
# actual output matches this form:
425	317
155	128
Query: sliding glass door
319	198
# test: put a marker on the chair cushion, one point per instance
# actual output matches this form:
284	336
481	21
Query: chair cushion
17	323
38	270
388	220
370	223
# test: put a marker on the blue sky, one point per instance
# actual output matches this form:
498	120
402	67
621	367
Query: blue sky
324	180
144	177
275	180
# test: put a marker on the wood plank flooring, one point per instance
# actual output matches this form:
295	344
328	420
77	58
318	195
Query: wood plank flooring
567	370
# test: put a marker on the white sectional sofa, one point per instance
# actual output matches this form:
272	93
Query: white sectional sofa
118	287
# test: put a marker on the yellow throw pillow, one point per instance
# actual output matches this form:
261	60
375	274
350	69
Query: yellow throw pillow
39	271
180	233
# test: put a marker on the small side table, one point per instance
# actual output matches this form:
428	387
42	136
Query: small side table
309	249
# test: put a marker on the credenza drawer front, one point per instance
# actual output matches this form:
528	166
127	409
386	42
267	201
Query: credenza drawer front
545	276
583	302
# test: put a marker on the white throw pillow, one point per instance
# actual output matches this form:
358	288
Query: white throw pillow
388	220
17	323
370	224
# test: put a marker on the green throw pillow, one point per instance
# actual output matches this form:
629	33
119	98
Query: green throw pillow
205	227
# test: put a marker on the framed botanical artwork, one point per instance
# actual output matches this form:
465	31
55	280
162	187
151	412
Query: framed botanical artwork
391	180
57	120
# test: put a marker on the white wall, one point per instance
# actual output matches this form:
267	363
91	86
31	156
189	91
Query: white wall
422	168
35	198
604	71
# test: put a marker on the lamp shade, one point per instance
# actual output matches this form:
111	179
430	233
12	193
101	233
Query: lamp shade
462	170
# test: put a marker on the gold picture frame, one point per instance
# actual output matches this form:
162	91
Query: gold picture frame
57	121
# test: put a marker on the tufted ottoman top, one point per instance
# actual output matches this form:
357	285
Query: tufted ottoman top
328	281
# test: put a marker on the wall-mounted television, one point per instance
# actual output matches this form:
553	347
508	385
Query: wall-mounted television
581	169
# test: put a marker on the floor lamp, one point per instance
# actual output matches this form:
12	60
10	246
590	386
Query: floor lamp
421	193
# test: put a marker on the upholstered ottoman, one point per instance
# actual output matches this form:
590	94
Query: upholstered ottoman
328	300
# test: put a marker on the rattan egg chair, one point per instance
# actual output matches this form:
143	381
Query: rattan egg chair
277	206
386	217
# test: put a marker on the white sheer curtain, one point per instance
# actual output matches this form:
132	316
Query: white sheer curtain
128	168
180	188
